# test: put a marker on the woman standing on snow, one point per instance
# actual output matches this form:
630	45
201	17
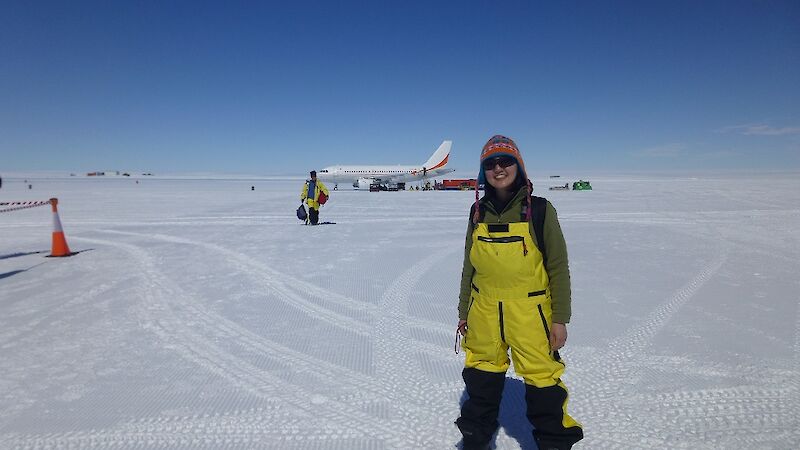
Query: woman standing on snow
515	294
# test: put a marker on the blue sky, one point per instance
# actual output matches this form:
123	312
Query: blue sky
282	87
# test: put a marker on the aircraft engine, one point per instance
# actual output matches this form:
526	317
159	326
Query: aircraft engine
363	183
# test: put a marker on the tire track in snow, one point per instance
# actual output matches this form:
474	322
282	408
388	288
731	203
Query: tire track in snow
391	343
376	390
238	429
256	269
688	367
791	381
635	340
64	312
373	389
160	317
278	283
164	321
712	413
395	364
619	367
302	362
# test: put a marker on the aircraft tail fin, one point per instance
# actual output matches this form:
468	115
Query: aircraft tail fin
439	158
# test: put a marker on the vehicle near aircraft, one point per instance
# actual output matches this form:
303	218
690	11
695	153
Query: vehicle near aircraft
467	184
581	186
362	177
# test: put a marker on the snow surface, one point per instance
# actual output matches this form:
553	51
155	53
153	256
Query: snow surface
200	314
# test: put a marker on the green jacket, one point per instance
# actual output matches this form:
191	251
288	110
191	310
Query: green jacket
557	262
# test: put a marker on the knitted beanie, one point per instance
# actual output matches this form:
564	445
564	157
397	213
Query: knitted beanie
501	146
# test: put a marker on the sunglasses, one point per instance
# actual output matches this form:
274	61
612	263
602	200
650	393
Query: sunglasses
504	161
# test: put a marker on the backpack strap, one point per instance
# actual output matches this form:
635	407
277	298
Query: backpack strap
538	211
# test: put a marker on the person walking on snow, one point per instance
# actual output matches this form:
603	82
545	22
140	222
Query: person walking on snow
515	295
311	195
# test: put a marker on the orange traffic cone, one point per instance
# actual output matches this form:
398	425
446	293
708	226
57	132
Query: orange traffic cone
60	247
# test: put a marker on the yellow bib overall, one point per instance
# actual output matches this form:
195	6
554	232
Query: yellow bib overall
511	309
510	305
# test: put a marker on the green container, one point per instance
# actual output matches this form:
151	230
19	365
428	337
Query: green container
581	186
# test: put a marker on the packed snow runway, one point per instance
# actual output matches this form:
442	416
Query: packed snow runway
200	314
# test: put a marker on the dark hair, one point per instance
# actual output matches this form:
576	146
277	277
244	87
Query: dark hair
313	173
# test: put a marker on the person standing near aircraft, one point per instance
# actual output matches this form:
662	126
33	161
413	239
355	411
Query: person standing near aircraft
315	194
515	295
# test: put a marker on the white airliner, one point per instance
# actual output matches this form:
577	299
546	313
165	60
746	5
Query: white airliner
363	176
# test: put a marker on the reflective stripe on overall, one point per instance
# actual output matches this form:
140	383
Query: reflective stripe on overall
511	308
